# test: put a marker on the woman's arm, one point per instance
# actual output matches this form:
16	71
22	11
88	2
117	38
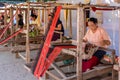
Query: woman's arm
106	42
59	27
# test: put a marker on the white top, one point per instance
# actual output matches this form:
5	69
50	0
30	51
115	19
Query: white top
97	37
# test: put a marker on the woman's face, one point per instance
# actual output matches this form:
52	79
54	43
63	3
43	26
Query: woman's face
49	18
32	18
92	25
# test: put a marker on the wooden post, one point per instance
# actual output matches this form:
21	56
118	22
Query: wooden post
11	16
99	14
45	22
15	28
5	16
70	28
80	34
16	18
26	13
27	36
119	49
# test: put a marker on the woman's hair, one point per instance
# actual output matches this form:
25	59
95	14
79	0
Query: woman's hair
20	16
94	20
51	14
34	16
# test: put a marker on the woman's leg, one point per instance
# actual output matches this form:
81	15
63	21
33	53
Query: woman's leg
98	55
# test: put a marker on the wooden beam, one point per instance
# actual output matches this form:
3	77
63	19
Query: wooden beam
27	36
45	19
11	18
5	16
70	28
22	56
22	48
52	75
58	70
119	49
80	34
16	26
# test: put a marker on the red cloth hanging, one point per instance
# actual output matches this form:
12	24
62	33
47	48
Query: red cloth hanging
105	9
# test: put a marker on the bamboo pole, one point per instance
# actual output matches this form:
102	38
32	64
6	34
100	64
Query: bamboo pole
27	36
15	28
26	13
99	14
5	16
52	75
11	16
80	34
70	31
60	71
119	49
45	22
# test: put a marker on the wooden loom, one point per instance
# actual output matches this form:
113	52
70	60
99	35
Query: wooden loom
80	32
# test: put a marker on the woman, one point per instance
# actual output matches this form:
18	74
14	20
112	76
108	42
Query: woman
97	36
20	21
58	27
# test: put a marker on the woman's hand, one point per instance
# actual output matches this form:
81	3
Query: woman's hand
105	42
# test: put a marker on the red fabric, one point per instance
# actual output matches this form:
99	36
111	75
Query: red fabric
105	9
90	63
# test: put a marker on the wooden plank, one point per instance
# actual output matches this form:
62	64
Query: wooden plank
22	56
26	67
58	70
96	72
22	48
38	39
69	52
5	49
61	66
63	57
52	75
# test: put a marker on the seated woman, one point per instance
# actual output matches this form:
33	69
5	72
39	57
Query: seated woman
20	21
2	20
35	20
58	28
98	36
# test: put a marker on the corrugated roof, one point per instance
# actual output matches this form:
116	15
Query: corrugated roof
10	2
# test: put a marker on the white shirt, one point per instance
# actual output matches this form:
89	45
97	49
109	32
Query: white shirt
97	37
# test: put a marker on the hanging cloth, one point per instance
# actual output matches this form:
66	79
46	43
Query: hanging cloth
105	9
66	14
